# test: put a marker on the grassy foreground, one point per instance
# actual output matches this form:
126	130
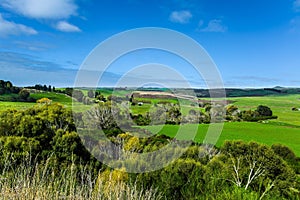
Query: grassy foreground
43	181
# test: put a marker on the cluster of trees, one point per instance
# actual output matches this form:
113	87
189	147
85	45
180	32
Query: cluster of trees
45	88
91	97
260	113
171	114
6	87
238	170
43	130
14	93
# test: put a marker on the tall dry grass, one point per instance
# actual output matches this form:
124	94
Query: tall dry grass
32	180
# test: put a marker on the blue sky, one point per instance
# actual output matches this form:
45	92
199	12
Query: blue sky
253	43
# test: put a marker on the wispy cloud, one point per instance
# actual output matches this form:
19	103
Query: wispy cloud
297	5
181	17
67	27
32	45
57	11
25	69
215	25
42	9
26	61
10	28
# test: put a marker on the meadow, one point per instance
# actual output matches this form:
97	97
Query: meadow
284	130
266	133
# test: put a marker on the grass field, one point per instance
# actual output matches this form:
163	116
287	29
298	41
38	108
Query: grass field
268	133
55	97
284	130
280	105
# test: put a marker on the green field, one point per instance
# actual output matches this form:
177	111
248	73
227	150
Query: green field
269	133
280	105
284	130
55	97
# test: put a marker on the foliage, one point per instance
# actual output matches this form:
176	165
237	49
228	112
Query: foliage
43	129
255	166
6	87
261	113
24	94
78	95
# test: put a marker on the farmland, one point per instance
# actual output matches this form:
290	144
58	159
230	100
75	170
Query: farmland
266	133
49	133
284	130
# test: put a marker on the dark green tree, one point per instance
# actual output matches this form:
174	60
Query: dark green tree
264	110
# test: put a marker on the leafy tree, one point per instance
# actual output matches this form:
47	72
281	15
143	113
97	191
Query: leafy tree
264	110
78	95
69	91
91	94
24	94
102	116
254	166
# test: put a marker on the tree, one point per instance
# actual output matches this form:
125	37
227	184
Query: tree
45	88
102	116
8	85
78	95
252	166
91	94
264	110
69	91
24	94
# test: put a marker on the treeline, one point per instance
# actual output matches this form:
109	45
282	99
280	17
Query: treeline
10	92
45	88
6	87
237	170
169	113
234	92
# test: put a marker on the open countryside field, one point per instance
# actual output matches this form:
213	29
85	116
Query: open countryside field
280	105
55	97
247	131
284	130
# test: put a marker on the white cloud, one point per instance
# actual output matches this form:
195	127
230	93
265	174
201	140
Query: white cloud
67	27
42	9
181	17
11	28
297	5
214	25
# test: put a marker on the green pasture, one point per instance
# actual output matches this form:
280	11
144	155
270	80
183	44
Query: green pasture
55	97
280	105
267	133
